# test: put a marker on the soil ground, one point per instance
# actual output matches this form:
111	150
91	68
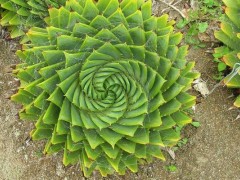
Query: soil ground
212	151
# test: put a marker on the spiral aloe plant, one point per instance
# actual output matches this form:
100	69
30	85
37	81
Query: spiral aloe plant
19	15
229	34
106	82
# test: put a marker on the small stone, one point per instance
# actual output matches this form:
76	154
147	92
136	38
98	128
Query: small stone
26	157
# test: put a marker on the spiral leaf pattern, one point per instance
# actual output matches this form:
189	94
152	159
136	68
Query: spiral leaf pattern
107	83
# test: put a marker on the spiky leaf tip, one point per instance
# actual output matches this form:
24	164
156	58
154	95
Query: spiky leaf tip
20	15
229	53
107	83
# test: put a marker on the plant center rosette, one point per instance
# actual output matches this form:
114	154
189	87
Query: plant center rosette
106	82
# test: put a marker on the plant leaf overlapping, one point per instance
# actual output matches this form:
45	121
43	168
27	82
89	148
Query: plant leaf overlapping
107	84
20	15
229	34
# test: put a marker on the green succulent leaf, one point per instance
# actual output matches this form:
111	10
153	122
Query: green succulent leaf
227	55
19	15
105	82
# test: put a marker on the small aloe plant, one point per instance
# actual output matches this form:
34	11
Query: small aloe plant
229	34
20	15
106	82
